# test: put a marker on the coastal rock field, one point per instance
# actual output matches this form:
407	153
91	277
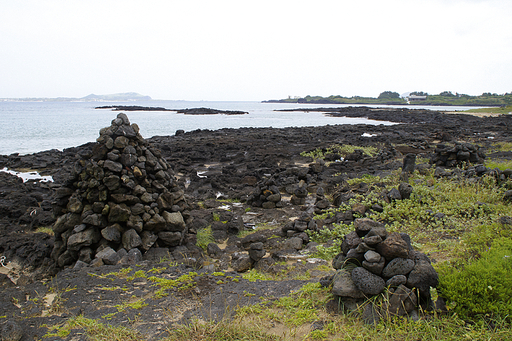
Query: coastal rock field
301	233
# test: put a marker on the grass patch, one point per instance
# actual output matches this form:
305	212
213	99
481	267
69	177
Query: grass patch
136	304
494	110
44	229
500	164
95	330
183	282
293	310
291	318
440	212
254	275
222	331
340	149
502	147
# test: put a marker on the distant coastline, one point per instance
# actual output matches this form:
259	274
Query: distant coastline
446	98
125	97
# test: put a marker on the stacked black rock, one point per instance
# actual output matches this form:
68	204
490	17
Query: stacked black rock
242	262
456	155
321	202
122	196
265	195
296	230
300	194
372	259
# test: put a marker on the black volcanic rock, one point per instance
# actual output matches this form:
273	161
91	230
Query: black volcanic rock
132	202
208	111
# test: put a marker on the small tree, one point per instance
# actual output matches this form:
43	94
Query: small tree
389	95
447	93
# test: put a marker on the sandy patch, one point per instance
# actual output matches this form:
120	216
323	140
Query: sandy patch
478	114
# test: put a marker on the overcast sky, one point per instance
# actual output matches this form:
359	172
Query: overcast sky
253	50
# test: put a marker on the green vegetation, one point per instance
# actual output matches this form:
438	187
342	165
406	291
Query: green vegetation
439	214
493	110
222	331
482	286
389	95
341	100
501	165
136	304
216	216
502	147
95	330
254	275
183	282
293	310
290	318
339	149
44	229
445	98
204	237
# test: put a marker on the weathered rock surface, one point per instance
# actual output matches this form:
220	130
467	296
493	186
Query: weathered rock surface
367	282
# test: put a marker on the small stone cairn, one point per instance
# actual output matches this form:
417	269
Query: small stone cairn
266	195
456	155
122	200
371	260
300	194
296	230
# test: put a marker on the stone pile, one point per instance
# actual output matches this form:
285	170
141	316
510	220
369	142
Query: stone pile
296	230
321	202
300	194
122	200
456	155
371	260
242	262
265	195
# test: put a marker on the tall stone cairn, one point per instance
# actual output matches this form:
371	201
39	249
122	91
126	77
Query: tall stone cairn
122	196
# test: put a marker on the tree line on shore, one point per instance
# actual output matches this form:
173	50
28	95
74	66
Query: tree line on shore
445	98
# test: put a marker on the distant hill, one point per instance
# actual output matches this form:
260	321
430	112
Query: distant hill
125	96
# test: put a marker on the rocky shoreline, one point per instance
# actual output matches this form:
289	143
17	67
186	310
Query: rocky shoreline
192	111
229	179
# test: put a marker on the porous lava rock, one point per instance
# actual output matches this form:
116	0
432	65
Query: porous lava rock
371	260
121	196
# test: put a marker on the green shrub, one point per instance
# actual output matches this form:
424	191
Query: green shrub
481	237
463	203
340	149
204	237
482	286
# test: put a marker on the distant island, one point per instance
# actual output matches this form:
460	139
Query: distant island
445	98
125	97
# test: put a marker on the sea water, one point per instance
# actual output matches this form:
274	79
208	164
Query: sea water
29	127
